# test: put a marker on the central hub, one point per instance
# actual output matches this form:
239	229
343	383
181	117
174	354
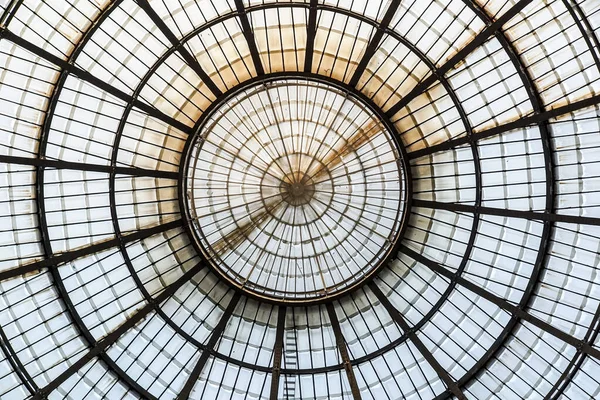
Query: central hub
297	193
297	189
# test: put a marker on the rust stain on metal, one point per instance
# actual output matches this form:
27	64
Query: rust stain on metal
565	102
491	123
335	156
243	231
30	274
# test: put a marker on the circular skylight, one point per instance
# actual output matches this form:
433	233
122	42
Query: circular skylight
295	189
319	199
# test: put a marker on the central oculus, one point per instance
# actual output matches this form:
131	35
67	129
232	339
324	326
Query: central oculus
295	189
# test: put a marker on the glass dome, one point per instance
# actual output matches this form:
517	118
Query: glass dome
295	190
318	199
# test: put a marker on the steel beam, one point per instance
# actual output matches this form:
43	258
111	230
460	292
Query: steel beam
42	222
91	79
576	362
374	43
110	339
515	311
587	31
5	345
341	345
401	321
249	35
16	364
518	124
277	353
501	212
78	166
87	250
549	207
311	32
480	39
183	51
212	341
9	12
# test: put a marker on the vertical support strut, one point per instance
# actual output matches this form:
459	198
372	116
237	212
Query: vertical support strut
341	345
374	43
249	35
311	32
110	339
399	319
277	353
212	341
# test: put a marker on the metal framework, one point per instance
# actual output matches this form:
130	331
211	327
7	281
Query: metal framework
187	56
581	345
399	319
88	77
67	256
341	346
459	56
249	35
277	353
374	43
112	149
212	341
77	166
311	30
520	123
109	340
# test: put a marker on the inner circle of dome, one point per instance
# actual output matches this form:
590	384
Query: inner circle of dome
295	189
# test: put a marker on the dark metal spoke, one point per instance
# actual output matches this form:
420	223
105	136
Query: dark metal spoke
91	79
594	328
277	353
110	339
77	166
9	11
311	32
67	256
16	364
212	341
249	35
343	349
183	51
534	98
576	362
401	321
501	212
515	311
518	124
374	43
477	41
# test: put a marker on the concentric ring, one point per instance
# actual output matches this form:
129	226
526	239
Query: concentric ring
302	205
489	289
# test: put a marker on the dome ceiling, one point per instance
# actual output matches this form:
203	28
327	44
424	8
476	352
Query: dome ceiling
310	199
